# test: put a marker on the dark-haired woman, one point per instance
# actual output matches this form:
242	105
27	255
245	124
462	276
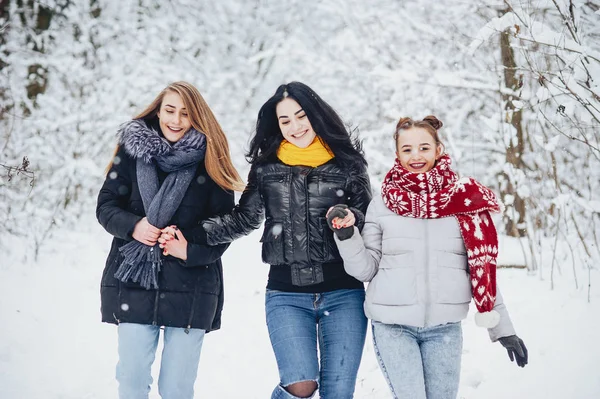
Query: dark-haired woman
171	166
303	162
428	246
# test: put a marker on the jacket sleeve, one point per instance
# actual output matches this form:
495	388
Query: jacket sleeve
362	253
247	215
114	197
505	326
359	194
198	252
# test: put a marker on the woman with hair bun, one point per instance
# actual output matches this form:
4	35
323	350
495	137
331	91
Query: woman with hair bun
427	247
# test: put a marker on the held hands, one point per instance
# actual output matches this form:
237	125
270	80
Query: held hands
173	242
516	349
341	220
145	233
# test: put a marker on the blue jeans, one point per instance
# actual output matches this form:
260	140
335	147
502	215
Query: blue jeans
419	363
178	368
297	320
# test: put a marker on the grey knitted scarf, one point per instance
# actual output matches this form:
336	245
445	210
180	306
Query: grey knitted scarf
141	263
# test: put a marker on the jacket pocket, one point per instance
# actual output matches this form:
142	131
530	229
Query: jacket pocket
453	282
272	243
272	184
209	279
396	282
332	186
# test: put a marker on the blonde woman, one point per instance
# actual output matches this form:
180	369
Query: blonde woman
171	167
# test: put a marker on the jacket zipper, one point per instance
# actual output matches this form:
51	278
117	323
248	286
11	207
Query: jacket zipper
120	306
189	325
119	302
307	213
427	285
290	176
155	318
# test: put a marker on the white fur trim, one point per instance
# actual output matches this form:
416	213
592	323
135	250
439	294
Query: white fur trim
488	319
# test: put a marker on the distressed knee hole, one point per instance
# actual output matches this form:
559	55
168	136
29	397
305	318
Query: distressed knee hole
302	389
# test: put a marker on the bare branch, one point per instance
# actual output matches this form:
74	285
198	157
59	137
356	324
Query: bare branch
22	169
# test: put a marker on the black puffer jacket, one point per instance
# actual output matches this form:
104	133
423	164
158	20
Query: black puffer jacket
294	200
190	293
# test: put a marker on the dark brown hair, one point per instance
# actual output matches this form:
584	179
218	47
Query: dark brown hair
325	121
429	123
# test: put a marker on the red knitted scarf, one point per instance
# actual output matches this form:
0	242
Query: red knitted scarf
439	193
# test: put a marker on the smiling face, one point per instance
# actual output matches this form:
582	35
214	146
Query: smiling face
294	124
173	117
416	150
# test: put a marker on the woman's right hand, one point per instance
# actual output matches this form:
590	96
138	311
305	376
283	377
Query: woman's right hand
145	233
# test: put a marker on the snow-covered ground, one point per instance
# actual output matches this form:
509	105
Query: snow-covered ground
53	345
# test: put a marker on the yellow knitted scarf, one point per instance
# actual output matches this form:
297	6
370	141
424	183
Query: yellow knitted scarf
316	154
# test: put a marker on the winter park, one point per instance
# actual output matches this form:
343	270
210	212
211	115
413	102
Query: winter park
215	185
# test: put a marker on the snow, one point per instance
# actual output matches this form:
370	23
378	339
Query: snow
492	28
55	347
374	62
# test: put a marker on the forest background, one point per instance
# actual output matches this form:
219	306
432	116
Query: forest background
516	83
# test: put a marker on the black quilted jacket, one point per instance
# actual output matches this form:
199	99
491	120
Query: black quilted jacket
294	200
190	293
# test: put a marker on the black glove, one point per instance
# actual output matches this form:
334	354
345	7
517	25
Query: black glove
516	349
340	211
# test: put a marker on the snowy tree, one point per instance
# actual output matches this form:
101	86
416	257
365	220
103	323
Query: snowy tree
556	67
517	97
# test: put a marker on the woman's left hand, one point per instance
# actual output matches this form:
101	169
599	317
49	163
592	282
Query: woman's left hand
173	243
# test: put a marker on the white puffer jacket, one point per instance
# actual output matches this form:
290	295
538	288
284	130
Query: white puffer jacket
416	269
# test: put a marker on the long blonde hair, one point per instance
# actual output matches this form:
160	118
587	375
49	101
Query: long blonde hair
217	159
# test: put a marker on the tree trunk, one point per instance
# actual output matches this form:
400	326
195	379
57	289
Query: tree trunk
4	5
37	73
514	217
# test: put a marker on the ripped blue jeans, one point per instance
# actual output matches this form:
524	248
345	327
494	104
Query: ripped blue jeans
332	323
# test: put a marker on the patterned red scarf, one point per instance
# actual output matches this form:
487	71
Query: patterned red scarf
440	193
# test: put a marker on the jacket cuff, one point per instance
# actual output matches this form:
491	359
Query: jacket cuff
349	246
197	235
192	256
504	328
130	220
